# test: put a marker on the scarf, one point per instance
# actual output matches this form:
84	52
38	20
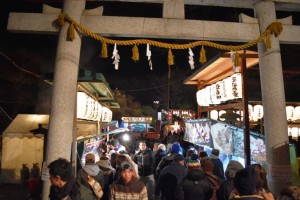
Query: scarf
70	188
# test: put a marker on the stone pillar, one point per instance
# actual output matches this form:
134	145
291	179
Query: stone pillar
273	96
61	122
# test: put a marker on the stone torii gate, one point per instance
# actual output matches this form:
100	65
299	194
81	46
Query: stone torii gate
172	25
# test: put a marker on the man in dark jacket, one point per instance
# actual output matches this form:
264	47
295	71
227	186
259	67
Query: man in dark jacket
144	159
195	185
170	176
218	165
64	184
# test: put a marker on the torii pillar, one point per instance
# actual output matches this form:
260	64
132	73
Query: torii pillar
61	122
273	97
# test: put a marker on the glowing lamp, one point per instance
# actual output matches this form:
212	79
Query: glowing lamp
290	113
294	132
87	107
106	114
214	114
297	112
258	111
221	112
236	84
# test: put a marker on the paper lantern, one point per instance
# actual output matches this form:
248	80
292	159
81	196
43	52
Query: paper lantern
241	113
258	111
219	91
252	116
223	91
236	81
213	94
297	112
207	96
87	107
82	99
106	114
228	88
97	111
214	114
220	113
295	132
290	113
200	97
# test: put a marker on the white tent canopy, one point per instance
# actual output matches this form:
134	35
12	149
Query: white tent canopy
20	146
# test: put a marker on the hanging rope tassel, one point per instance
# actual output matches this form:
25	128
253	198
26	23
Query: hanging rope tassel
71	32
104	50
135	53
202	56
236	59
268	41
275	28
170	58
61	20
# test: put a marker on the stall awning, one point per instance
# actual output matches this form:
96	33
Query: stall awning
219	67
23	124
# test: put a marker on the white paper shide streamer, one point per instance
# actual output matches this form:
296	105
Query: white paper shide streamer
148	53
232	56
116	57
191	58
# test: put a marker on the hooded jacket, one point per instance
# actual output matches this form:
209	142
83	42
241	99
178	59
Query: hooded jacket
165	161
194	186
90	169
225	188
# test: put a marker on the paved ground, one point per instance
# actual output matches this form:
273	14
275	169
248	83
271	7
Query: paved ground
13	192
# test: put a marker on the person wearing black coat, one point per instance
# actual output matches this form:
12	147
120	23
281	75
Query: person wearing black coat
170	176
195	185
168	159
218	165
158	155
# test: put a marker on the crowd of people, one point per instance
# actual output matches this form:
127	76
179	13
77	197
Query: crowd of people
166	171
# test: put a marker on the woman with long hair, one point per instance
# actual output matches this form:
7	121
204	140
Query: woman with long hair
262	188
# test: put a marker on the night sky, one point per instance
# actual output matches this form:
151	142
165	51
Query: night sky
22	92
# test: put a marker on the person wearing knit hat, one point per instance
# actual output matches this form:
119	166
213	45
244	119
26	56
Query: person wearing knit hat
193	162
245	184
89	158
162	147
127	186
175	148
90	169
